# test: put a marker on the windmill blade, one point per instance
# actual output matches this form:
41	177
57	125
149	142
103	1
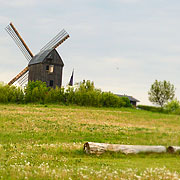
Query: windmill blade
24	80
20	46
56	41
23	77
19	41
19	75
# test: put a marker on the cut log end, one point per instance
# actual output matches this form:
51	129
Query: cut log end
170	149
86	148
173	149
95	148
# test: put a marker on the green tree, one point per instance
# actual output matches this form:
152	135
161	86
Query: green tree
172	106
161	92
36	91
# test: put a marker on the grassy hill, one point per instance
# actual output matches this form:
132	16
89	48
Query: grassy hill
46	142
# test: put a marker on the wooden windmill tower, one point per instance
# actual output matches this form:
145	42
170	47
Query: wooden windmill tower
46	66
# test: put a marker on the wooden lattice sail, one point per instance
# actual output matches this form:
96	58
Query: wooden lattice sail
19	75
39	72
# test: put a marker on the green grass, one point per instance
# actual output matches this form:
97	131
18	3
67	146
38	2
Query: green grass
46	142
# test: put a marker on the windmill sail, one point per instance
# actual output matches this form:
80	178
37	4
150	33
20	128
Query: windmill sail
56	41
23	79
23	76
18	76
19	41
12	31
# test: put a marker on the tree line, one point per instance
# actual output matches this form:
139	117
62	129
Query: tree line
83	94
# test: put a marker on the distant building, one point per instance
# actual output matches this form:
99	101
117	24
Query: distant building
132	100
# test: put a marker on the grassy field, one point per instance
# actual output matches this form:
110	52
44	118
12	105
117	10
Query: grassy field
46	142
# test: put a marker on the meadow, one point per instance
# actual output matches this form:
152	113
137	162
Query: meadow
46	142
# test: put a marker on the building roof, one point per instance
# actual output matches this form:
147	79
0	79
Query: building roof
39	58
129	97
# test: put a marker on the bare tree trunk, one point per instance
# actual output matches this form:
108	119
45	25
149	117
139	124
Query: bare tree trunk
99	148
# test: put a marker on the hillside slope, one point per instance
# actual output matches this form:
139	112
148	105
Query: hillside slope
47	142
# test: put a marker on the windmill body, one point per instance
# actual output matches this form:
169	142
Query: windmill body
46	66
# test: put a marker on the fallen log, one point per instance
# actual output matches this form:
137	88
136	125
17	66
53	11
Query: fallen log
173	149
99	148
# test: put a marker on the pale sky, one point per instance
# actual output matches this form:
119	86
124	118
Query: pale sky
121	45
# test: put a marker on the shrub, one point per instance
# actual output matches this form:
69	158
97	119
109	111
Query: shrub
69	96
11	94
36	91
173	106
110	100
125	102
56	95
84	94
150	108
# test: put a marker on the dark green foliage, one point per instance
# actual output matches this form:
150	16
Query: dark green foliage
11	94
170	108
69	96
56	95
84	94
36	91
111	100
87	95
125	102
151	108
173	107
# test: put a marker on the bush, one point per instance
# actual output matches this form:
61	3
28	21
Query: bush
11	94
111	100
69	96
150	108
125	102
84	94
173	106
36	91
56	95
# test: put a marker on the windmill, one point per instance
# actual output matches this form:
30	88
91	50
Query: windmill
46	66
